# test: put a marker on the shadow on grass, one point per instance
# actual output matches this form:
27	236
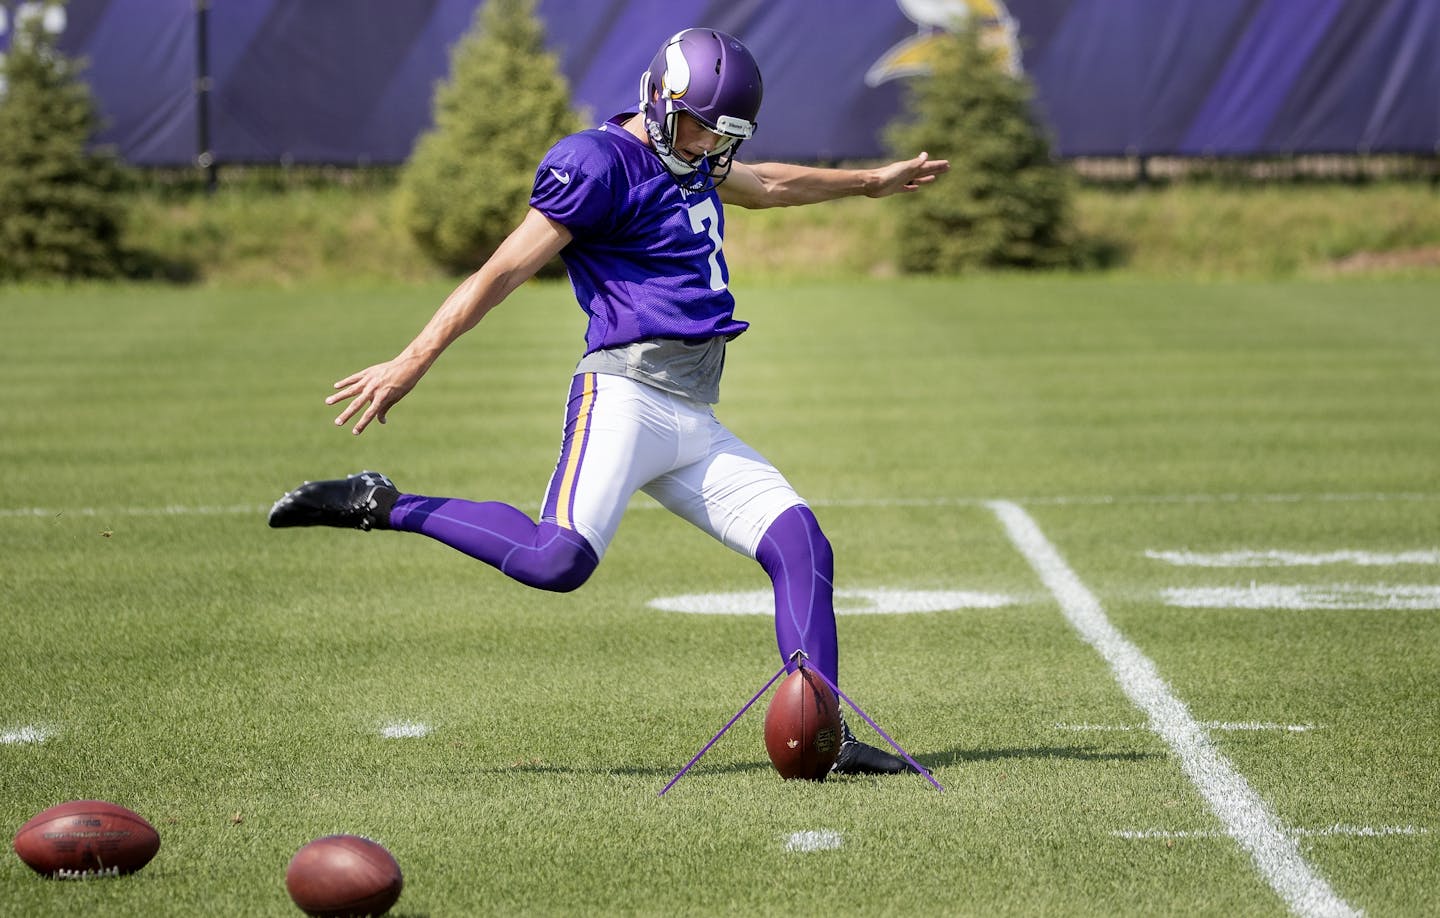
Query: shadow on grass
1073	753
930	760
637	771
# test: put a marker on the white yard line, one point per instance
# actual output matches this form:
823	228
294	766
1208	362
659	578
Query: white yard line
1277	558
170	510
814	840
1326	832
1246	818
405	729
1222	725
1307	597
847	602
25	735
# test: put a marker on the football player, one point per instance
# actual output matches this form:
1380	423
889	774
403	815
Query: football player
634	208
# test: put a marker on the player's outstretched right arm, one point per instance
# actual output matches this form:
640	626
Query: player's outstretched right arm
374	390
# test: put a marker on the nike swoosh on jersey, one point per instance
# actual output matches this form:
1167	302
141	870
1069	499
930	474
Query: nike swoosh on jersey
561	177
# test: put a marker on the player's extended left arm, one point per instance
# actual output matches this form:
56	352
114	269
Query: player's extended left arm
758	185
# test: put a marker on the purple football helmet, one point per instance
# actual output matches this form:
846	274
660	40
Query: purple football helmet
712	76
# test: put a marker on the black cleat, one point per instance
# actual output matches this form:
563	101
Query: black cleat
856	758
361	501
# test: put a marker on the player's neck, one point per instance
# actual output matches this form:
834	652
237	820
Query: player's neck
635	124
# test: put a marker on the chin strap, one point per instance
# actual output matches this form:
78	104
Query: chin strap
696	178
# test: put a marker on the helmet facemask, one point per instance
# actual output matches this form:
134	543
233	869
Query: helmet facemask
703	173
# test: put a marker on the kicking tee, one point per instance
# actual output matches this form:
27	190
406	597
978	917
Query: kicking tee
646	260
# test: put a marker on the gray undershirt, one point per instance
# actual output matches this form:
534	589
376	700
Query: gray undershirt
688	368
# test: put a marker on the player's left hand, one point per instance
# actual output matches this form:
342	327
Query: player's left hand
908	175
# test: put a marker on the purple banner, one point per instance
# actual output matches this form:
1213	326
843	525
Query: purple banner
350	81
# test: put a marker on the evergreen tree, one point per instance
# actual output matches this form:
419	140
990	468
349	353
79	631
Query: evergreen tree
468	182
1005	201
59	214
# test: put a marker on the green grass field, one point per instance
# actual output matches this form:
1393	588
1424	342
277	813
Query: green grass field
1240	479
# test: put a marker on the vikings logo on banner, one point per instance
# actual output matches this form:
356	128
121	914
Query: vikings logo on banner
935	18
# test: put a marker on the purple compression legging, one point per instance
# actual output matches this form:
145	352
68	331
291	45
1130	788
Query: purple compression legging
793	551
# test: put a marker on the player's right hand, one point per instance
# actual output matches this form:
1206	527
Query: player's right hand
373	391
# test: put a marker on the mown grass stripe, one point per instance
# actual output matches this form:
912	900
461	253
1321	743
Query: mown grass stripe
861	503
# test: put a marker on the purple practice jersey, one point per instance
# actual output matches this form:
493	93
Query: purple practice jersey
646	258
